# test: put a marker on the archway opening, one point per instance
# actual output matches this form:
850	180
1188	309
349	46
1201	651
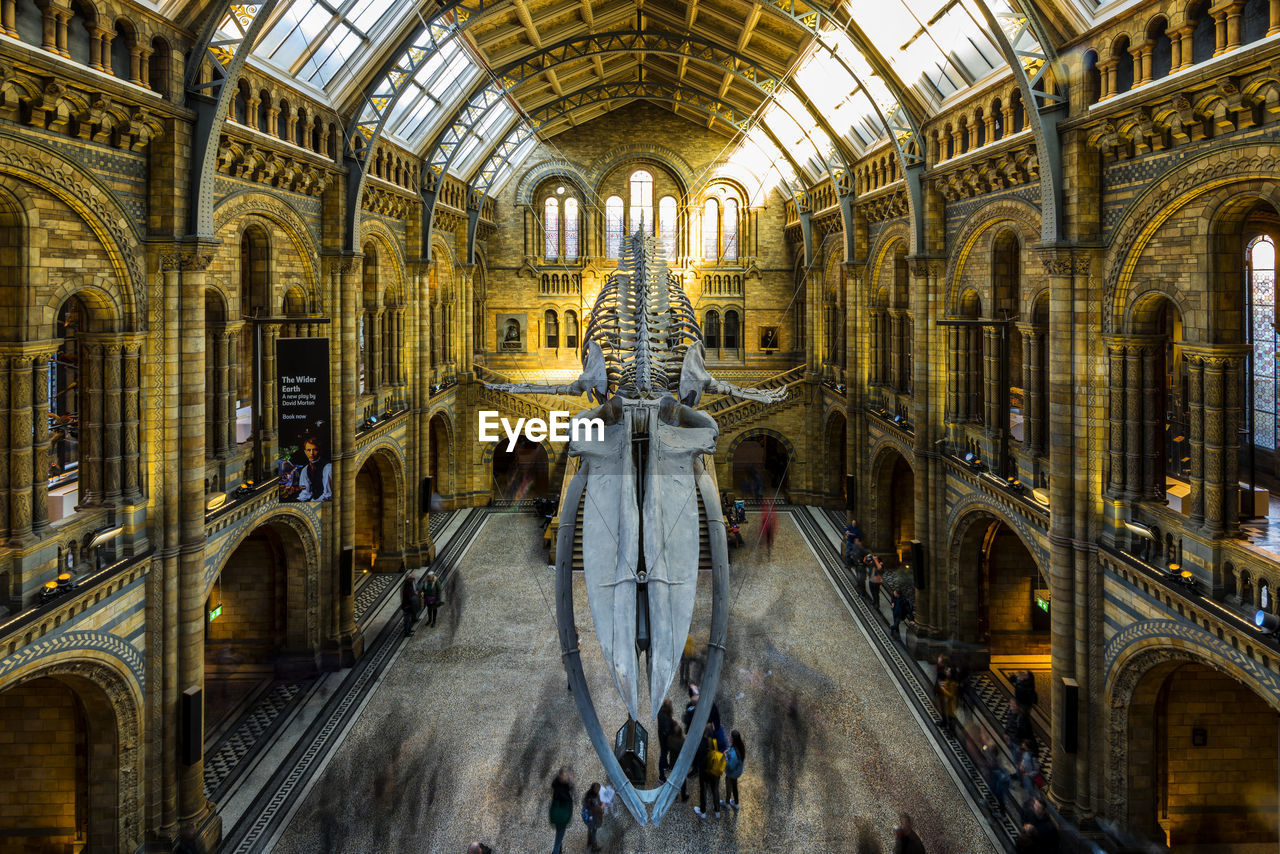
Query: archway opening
1009	611
893	523
1203	763
522	473
440	465
836	462
246	620
760	468
377	546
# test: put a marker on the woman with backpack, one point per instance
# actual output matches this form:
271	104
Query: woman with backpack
711	767
561	810
733	760
592	814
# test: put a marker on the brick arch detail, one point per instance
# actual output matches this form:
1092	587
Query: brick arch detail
1167	197
659	154
540	172
250	203
1132	654
1024	218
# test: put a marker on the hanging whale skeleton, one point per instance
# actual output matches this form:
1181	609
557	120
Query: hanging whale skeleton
643	364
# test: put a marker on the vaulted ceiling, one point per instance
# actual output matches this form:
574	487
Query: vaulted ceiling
801	88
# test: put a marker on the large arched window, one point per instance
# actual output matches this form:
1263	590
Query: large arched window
551	228
571	229
730	230
641	214
551	325
667	226
613	227
1261	261
711	230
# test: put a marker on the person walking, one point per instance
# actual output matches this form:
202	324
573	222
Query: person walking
733	760
431	596
666	719
712	767
592	814
560	812
675	742
686	659
768	526
409	604
905	840
876	569
1024	690
902	612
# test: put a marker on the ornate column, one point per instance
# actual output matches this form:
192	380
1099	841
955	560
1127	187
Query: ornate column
232	334
1153	421
91	486
954	378
21	435
1141	54
1273	17
973	373
1106	79
991	391
895	350
99	48
1220	404
132	394
111	422
186	464
40	442
1133	419
218	358
346	275
4	446
270	334
874	371
9	18
1195	439
1033	386
1182	40
1116	384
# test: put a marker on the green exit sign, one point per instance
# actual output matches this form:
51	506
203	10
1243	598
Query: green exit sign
215	613
1041	603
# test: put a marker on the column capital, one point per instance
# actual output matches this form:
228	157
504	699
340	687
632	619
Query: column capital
925	265
1216	355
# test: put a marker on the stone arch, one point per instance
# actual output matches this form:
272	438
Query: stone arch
968	524
890	505
94	203
1141	655
302	523
885	246
835	441
546	169
245	203
640	152
1022	217
757	433
94	294
442	461
1217	170
374	229
112	701
389	466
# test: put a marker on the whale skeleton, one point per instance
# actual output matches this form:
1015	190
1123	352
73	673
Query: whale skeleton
640	486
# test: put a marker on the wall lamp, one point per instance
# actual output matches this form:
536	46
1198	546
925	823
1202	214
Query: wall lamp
1269	623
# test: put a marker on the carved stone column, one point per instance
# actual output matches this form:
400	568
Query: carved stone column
1033	388
991	391
1116	385
1133	420
91	486
112	458
9	18
132	394
1273	17
218	360
270	334
1221	403
953	373
21	383
874	370
895	350
1195	439
5	482
1153	421
40	442
973	373
232	352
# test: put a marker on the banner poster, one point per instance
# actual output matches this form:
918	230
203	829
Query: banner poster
304	427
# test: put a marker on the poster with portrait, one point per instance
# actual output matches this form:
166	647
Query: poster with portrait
512	331
304	427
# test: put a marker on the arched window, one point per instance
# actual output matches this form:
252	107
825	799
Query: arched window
551	228
731	330
571	329
64	392
710	229
571	229
552	325
667	225
641	202
1261	263
730	230
613	227
1124	65
711	330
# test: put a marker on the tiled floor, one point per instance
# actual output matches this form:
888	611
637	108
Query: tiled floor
469	723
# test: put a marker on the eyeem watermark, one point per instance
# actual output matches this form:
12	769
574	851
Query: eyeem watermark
537	429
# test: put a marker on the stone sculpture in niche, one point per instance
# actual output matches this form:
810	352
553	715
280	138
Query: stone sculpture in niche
642	481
